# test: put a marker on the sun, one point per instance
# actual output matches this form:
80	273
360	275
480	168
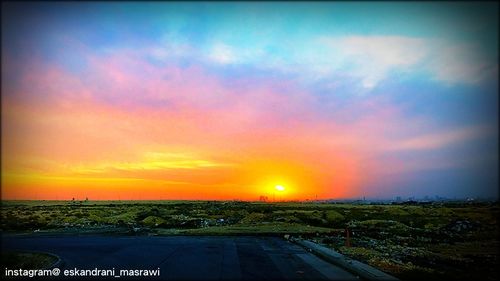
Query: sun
280	188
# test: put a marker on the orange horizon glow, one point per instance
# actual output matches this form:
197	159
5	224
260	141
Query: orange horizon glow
70	145
79	147
84	149
167	101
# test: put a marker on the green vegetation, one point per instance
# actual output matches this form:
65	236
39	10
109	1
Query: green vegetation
27	260
413	242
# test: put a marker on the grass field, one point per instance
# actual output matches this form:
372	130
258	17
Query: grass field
413	242
27	260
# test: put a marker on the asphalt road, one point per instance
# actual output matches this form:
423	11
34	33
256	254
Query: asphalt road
186	257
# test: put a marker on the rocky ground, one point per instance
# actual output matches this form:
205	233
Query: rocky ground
413	242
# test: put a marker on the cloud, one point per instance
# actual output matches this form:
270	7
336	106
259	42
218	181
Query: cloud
460	64
372	57
223	54
177	123
443	139
368	59
150	161
171	46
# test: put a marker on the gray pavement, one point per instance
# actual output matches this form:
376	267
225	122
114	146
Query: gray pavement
186	257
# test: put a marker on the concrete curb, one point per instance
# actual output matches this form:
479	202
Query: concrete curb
362	270
58	263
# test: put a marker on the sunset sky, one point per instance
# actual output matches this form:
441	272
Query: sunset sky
158	100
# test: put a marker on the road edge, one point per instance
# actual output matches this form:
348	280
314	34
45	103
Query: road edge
364	271
58	263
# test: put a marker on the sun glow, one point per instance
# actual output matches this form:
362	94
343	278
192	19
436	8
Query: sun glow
280	188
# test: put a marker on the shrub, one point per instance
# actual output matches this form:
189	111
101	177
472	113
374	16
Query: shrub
153	221
333	217
253	218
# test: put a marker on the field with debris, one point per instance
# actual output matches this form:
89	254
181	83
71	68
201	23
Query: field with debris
435	241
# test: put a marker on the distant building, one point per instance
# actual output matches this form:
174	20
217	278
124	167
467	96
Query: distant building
263	198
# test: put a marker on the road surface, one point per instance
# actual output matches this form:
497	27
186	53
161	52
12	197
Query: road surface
186	257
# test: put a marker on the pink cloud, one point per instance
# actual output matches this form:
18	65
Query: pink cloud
442	139
124	108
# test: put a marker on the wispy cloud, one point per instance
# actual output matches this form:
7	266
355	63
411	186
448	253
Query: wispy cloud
442	139
151	161
223	54
460	64
376	58
371	58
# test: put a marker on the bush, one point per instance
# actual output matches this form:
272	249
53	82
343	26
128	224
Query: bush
334	218
253	218
153	221
315	218
397	212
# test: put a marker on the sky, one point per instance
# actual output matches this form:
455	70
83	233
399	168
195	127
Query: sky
223	101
